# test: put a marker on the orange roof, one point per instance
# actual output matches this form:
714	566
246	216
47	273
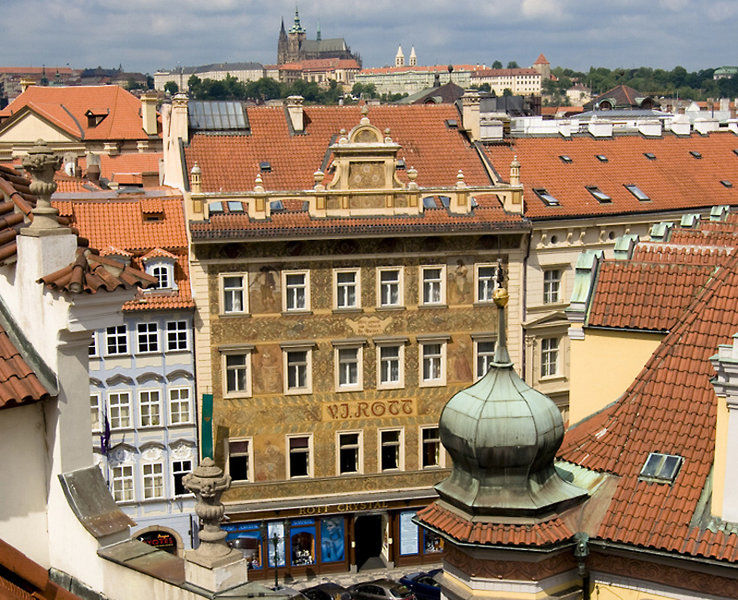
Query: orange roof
321	64
23	579
670	408
675	180
541	60
18	382
231	162
66	184
67	107
504	72
36	70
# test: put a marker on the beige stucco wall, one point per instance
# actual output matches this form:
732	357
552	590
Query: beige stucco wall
603	365
721	446
31	128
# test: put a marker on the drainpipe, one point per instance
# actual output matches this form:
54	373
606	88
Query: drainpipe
581	552
525	301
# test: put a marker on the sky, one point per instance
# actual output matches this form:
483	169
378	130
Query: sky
147	35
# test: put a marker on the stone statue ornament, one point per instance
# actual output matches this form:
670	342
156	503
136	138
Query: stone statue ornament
41	164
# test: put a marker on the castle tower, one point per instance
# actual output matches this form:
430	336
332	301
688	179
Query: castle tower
282	45
295	40
399	57
413	58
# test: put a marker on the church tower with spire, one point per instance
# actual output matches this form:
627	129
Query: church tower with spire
282	45
293	45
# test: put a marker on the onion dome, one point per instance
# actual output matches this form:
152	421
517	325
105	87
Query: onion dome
503	436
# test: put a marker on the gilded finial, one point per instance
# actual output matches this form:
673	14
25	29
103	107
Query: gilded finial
500	295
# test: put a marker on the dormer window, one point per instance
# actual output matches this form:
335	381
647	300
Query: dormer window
601	196
94	119
162	273
160	264
547	198
265	166
637	192
661	468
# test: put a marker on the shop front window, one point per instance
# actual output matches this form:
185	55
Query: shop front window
275	528
408	533
248	539
302	543
432	542
332	540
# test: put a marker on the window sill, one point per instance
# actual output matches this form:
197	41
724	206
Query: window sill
340	390
552	378
178	351
297	313
390	308
390	386
236	395
434	383
124	355
234	314
429	306
481	303
148	353
151	427
351	309
301	391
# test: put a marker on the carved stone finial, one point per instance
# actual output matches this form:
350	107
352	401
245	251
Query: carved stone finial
196	179
387	138
364	115
318	176
460	183
41	163
258	183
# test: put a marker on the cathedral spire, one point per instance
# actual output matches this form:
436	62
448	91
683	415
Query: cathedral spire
297	26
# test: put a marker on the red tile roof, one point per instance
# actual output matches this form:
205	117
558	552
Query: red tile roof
66	107
231	162
675	180
504	72
18	382
541	60
670	408
545	533
321	64
115	168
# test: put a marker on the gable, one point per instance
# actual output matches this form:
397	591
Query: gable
31	127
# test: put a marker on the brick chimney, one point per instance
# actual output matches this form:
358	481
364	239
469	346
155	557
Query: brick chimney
148	114
25	83
470	114
294	110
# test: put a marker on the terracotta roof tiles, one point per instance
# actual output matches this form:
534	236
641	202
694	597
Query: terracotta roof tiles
18	382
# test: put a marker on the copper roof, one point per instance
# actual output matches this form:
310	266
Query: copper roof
674	180
670	408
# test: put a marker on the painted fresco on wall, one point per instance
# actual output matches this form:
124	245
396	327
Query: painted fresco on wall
267	369
461	276
459	360
265	289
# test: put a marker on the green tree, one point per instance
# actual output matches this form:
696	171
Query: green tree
512	65
497	65
507	92
171	87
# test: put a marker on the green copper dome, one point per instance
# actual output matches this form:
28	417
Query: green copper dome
503	436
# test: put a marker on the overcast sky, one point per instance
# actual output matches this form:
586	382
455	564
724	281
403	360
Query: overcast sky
145	35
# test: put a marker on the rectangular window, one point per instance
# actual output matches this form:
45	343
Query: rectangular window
95	421
348	289
177	335
149	408
299	456
161	272
119	405
431	447
601	196
485	357
349	453
116	340
390	450
637	192
234	294
432	368
547	198
433	289
147	337
239	460
122	480
296	291
486	282
551	286
93	350
549	356
179	406
153	480
297	366
390	362
180	468
348	366
390	287
237	373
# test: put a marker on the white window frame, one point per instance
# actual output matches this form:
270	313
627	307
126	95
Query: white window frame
153	476
400	287
244	293
391	385
286	291
148	392
308	388
478	280
118	335
171	401
545	362
340	348
111	406
115	489
94	348
177	331
237	393
482	340
172	471
288	453
400	449
359	452
547	285
441	283
421	448
337	288
249	453
147	337
98	408
164	275
438	381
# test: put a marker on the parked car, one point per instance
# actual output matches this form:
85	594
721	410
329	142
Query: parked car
423	584
380	589
327	591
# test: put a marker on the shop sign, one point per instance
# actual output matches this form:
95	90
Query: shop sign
158	539
339	411
341	508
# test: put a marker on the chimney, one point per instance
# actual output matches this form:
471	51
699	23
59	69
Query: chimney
179	125
491	129
294	110
680	125
470	114
515	171
725	483
93	167
196	179
600	129
25	83
649	128
148	114
705	125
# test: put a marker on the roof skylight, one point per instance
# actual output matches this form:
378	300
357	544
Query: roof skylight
215	207
265	166
726	183
601	157
661	468
235	206
565	158
452	123
695	154
276	206
547	198
599	195
637	192
735	151
430	202
649	155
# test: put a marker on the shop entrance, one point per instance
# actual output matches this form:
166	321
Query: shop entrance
368	538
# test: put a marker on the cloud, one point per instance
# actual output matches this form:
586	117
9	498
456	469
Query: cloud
542	8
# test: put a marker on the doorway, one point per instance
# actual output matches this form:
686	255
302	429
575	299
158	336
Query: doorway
368	538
